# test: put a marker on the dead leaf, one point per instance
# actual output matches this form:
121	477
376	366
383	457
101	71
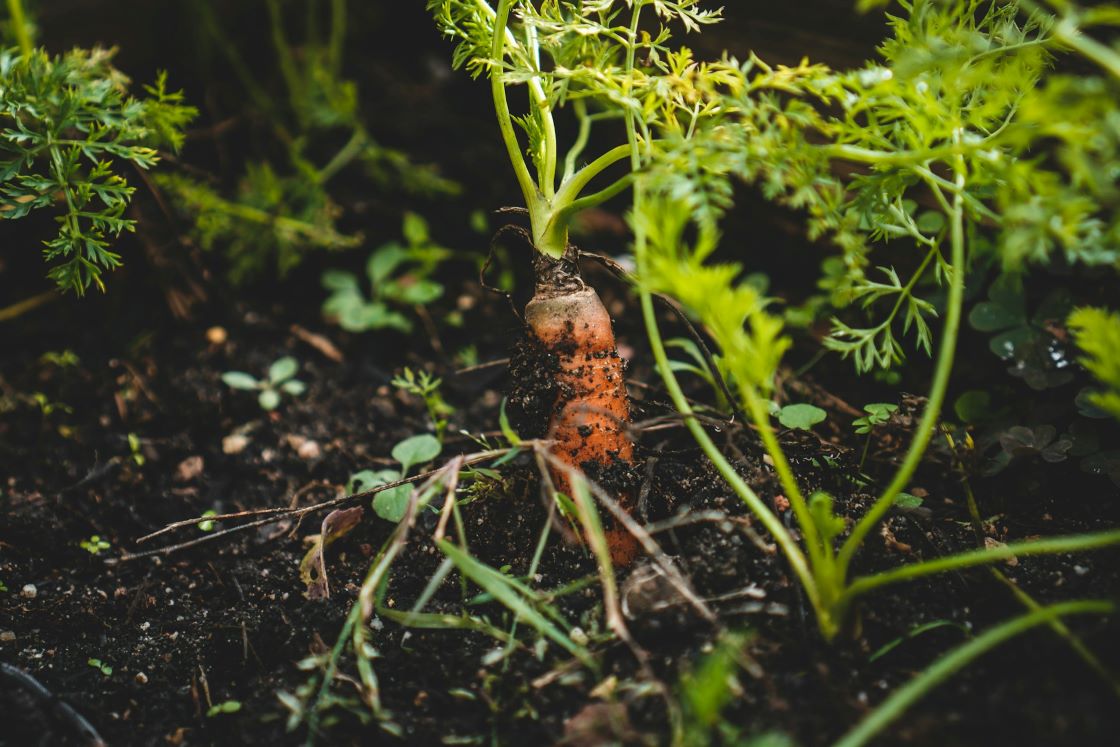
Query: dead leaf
313	567
990	543
189	468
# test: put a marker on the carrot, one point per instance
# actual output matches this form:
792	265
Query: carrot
591	412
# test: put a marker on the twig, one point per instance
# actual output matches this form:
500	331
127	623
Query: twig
317	341
274	514
22	307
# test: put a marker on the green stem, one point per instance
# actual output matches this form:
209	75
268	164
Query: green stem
756	406
957	659
581	139
944	367
564	214
1067	32
769	520
550	217
501	106
284	57
572	187
983	556
337	41
351	150
21	30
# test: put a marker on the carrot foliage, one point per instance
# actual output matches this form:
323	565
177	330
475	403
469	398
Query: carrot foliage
67	124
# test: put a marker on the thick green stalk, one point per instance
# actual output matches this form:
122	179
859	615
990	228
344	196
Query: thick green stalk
957	659
501	107
945	355
20	29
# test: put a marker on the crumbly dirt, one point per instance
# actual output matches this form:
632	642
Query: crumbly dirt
227	620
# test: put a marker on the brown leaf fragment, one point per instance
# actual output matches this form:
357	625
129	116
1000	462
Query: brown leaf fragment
313	567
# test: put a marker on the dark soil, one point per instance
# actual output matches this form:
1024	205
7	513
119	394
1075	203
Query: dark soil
227	620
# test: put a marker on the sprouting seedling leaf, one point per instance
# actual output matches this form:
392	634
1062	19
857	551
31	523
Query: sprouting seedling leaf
415	229
279	380
207	525
313	567
269	399
973	406
907	500
389	504
240	380
100	666
507	430
801	416
416	450
294	387
877	414
282	369
229	706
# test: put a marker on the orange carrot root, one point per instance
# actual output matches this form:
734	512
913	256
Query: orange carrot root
589	418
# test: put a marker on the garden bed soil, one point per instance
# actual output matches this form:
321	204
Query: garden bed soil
227	621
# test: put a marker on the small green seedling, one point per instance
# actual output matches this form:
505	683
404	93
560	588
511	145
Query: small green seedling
100	666
207	525
94	545
47	407
280	379
391	504
877	414
398	275
426	386
229	706
134	449
61	358
800	416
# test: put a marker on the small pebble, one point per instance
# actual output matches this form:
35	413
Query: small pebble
216	335
29	591
309	450
7	636
141	678
234	444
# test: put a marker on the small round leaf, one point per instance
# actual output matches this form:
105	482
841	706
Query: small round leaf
282	369
269	399
801	416
416	450
239	380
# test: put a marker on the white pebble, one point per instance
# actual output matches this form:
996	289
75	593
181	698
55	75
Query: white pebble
29	591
